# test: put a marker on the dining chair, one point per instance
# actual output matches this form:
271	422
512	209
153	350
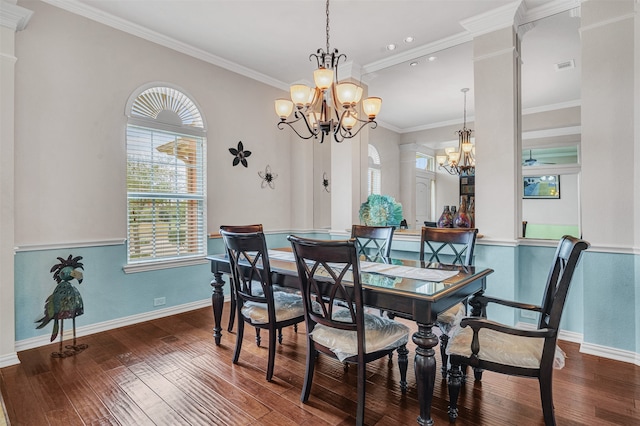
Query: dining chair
329	273
454	246
232	296
373	241
488	345
264	309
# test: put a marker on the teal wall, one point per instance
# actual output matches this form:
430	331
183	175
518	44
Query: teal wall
610	293
601	304
108	293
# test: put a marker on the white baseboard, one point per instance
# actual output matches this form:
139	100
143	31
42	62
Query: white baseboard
610	353
9	359
35	342
591	348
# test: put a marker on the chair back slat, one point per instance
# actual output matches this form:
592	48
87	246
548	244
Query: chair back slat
448	245
249	261
373	241
330	276
561	272
242	228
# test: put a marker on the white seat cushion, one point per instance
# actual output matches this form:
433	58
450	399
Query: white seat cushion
288	305
381	333
256	289
451	317
497	347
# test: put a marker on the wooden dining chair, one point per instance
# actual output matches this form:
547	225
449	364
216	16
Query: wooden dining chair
487	345
373	241
232	296
338	327
264	308
454	246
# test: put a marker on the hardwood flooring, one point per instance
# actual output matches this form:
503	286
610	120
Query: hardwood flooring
169	372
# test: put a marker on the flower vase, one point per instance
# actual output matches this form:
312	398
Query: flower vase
446	220
462	219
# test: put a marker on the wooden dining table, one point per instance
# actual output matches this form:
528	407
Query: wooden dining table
411	289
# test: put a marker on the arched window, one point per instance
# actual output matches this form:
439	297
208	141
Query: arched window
373	176
165	176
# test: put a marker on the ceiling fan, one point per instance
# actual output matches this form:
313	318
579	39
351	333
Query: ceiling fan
532	161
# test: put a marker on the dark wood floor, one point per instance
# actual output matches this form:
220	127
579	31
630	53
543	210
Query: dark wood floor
169	372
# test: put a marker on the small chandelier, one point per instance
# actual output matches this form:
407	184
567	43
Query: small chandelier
461	161
314	106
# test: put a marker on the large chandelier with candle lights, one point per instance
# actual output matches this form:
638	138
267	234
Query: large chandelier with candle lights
461	161
331	107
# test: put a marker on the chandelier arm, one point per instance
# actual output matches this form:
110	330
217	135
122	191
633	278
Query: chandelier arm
335	60
290	124
347	134
319	55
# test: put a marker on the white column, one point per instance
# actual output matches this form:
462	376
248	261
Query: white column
408	182
497	134
12	18
347	158
609	143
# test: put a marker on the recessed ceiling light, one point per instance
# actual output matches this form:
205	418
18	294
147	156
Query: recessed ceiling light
408	39
413	64
432	58
391	46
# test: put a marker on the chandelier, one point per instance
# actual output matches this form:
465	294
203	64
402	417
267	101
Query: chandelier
461	161
315	106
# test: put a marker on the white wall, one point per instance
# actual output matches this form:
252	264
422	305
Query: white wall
386	142
73	78
563	211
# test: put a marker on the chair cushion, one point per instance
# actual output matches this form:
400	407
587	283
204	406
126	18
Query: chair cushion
256	289
497	347
451	317
288	305
380	333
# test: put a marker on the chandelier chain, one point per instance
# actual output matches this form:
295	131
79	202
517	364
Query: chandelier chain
327	29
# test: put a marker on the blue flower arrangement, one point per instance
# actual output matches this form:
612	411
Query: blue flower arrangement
381	210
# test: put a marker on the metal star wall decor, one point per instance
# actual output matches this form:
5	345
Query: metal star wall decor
268	177
325	181
240	155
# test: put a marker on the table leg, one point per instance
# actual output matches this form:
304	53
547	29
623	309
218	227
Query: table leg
425	367
217	303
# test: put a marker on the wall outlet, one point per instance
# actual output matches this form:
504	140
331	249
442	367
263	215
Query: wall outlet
528	314
159	301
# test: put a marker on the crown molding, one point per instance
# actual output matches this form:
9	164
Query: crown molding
13	16
549	9
493	20
152	36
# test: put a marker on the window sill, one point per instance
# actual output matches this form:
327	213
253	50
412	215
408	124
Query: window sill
165	264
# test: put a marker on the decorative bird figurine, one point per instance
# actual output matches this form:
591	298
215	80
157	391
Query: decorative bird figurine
65	302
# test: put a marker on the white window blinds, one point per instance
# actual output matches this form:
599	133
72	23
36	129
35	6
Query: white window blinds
165	194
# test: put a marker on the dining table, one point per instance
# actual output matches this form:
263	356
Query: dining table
407	288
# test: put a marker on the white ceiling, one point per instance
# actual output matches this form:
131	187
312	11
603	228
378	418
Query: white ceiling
271	40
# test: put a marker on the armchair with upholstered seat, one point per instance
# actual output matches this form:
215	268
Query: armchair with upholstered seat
488	345
454	246
338	327
257	302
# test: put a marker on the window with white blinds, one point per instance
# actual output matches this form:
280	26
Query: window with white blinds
165	178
